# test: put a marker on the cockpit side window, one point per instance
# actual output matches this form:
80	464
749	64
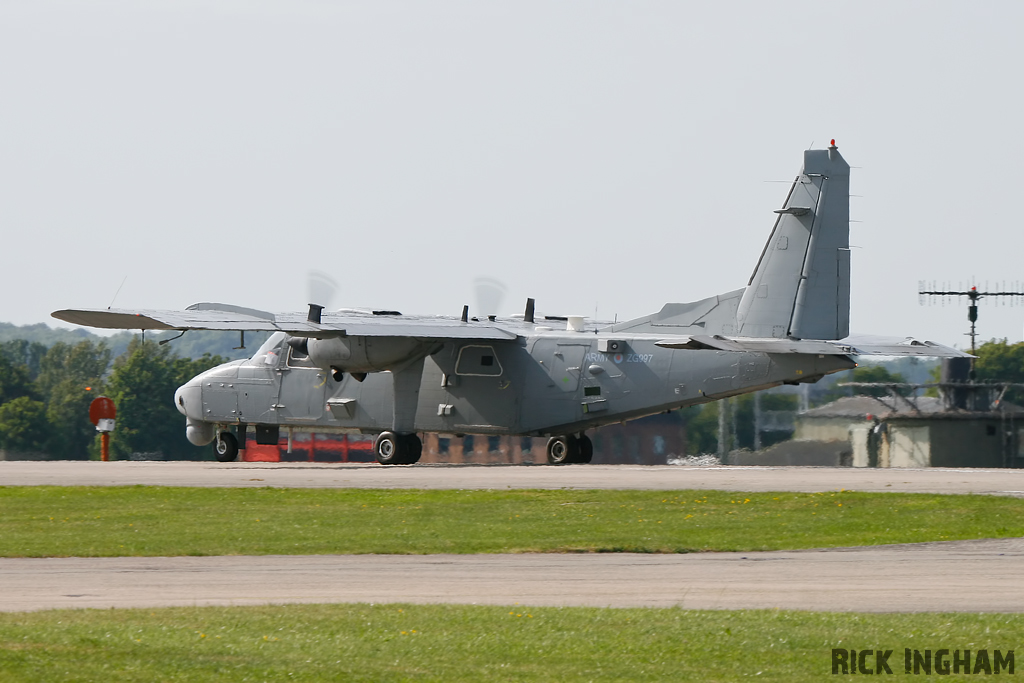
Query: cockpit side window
269	351
299	359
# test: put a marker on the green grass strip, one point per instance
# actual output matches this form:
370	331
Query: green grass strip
470	643
123	521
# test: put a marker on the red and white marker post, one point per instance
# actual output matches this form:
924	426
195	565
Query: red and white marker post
102	413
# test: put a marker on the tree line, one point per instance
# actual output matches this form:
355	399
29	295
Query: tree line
45	394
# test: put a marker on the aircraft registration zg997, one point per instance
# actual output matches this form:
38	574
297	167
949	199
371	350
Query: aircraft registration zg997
394	375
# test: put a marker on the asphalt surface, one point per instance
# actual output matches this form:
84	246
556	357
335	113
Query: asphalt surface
966	576
332	475
970	576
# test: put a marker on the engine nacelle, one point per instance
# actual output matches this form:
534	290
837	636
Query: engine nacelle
363	354
199	433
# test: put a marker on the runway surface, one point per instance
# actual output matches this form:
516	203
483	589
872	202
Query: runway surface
972	576
967	576
332	475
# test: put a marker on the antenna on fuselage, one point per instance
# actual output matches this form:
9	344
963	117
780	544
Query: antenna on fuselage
117	292
528	315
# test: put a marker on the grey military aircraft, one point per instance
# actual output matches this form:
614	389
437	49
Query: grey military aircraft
396	375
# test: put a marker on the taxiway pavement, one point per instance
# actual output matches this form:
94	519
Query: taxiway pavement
966	576
972	576
1002	482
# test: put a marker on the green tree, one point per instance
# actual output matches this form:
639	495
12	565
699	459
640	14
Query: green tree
23	425
701	428
744	407
70	377
1000	361
25	353
142	386
14	380
702	422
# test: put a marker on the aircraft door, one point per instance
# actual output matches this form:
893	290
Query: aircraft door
564	365
553	396
257	389
481	394
301	390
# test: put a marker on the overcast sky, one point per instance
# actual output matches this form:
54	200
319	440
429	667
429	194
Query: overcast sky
608	155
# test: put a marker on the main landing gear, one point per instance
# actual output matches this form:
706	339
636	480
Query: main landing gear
397	449
565	450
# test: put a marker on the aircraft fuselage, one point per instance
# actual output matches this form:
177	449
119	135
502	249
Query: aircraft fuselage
543	384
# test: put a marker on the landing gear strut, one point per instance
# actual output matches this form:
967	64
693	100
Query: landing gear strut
397	449
565	450
226	447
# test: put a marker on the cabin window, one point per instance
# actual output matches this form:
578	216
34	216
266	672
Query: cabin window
478	360
591	391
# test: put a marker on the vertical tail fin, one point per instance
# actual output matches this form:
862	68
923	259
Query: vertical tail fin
801	286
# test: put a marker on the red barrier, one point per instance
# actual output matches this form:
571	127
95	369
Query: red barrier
308	447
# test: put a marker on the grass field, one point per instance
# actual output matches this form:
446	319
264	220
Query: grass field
454	643
111	521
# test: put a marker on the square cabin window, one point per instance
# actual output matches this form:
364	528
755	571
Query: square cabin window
478	360
298	359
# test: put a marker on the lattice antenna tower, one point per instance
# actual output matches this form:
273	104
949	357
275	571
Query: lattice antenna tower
1006	294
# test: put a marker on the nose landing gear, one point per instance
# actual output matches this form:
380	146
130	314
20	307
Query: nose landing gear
226	447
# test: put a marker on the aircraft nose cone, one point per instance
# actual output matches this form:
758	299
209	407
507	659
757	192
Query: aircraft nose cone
188	399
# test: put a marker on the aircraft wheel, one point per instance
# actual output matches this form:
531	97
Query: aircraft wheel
226	447
562	450
389	448
414	449
586	450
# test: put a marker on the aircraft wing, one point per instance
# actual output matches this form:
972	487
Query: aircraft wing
225	317
855	345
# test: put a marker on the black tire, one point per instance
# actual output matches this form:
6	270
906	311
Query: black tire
562	450
389	448
586	450
225	448
413	449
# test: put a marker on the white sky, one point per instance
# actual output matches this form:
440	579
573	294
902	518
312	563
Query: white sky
609	154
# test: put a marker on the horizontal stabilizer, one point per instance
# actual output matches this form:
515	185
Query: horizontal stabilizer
859	345
871	345
752	344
